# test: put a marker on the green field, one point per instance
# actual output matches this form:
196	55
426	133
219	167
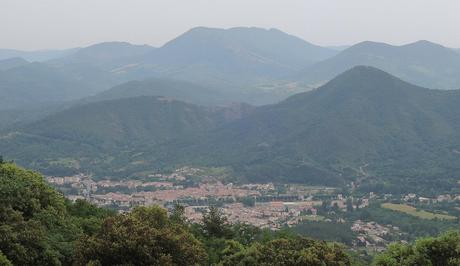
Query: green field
312	218
417	213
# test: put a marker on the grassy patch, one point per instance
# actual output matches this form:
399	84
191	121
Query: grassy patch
417	213
313	218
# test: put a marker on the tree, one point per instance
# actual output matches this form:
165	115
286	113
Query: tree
146	236
349	205
436	251
215	224
295	251
34	225
325	206
4	260
178	214
249	201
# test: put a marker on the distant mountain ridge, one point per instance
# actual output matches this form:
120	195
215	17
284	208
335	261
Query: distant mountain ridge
240	64
247	54
423	63
13	62
37	84
36	56
175	89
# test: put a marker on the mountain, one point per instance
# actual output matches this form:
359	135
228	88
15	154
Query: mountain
365	125
106	55
13	62
339	47
245	63
188	92
233	57
36	56
175	89
422	63
93	131
38	84
364	118
121	121
102	65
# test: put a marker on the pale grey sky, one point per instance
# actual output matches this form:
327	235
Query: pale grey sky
40	24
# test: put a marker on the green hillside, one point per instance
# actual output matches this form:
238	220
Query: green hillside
363	125
363	118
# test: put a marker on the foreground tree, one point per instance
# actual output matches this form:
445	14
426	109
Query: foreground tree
433	251
215	224
34	225
146	236
295	251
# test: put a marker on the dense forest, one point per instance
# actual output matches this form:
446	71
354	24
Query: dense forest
38	226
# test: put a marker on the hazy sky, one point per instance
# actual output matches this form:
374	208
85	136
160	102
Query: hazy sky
39	24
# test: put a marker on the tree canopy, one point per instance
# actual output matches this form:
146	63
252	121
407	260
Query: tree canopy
434	251
144	236
38	226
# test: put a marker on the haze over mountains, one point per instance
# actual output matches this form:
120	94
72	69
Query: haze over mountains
254	65
225	60
423	63
117	109
238	55
36	56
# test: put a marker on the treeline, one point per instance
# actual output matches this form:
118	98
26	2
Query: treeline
38	226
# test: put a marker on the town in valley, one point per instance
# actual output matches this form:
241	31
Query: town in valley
264	205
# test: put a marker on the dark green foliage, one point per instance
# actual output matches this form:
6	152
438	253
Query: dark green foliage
87	216
4	261
34	226
297	251
143	237
249	201
38	226
329	231
443	250
215	224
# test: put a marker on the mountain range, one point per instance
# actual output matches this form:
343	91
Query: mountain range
248	63
423	63
36	56
38	84
364	123
254	65
237	55
12	62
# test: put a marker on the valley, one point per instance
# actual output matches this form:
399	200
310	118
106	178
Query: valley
274	206
222	145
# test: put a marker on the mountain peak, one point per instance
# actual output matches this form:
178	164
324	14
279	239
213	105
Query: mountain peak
361	81
368	45
424	43
365	70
